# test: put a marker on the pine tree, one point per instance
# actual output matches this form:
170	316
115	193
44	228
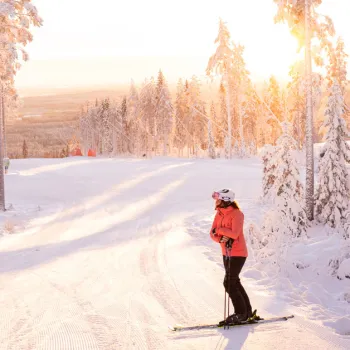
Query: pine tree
107	141
180	117
211	145
135	127
215	123
333	190
196	120
269	168
25	149
236	149
228	148
164	112
148	105
287	216
240	83
124	132
221	63
252	148
298	107
221	131
305	23
251	111
337	68
275	107
17	18
263	129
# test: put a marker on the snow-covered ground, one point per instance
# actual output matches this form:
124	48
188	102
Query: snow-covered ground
105	253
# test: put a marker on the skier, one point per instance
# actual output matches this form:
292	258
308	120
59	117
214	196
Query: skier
227	229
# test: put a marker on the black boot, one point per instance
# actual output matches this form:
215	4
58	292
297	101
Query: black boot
234	319
237	318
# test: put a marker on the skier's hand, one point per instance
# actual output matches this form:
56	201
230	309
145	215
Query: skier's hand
224	239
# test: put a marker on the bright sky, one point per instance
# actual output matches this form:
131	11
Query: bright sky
108	42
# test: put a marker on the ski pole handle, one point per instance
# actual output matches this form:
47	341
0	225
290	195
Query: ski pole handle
229	243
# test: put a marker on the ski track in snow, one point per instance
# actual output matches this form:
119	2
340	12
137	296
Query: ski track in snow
128	257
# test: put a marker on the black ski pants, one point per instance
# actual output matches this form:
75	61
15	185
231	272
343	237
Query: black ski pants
232	283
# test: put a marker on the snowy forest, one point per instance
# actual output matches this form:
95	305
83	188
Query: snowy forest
274	122
149	121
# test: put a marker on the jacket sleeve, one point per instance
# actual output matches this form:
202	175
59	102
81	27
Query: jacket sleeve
215	237
236	227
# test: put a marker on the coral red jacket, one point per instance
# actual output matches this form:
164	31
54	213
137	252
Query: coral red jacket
229	222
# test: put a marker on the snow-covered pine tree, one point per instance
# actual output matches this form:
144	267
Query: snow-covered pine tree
252	148
337	68
228	151
297	101
251	110
115	119
333	189
148	112
93	121
288	216
107	141
305	23
221	131
197	122
25	149
236	149
215	125
84	130
269	168
240	84
124	129
263	129
181	108
211	144
276	108
135	129
17	18
164	112
221	63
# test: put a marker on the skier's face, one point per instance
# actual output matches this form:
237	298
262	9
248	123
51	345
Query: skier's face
217	203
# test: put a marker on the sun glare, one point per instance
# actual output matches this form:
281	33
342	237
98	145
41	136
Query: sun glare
185	30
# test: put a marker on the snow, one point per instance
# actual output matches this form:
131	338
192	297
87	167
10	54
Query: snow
344	269
105	253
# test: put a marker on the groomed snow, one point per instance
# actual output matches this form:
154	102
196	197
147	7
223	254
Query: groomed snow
105	253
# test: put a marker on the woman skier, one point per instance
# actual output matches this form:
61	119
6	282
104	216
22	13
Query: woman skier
227	229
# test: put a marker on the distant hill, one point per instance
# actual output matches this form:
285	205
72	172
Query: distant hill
48	120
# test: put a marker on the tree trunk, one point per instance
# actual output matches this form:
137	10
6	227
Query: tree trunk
309	188
241	133
2	177
4	124
229	123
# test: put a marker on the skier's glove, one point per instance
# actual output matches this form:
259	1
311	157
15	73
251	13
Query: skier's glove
224	239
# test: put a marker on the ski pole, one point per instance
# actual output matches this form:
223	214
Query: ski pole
225	307
228	252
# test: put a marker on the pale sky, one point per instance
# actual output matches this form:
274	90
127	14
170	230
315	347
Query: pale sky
108	42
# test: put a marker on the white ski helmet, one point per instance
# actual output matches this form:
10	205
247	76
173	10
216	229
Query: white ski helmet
225	195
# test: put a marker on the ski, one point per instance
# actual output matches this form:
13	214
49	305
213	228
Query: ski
178	328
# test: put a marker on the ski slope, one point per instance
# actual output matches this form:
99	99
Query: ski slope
106	253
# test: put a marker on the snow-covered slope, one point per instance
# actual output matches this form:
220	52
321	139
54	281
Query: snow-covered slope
105	253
